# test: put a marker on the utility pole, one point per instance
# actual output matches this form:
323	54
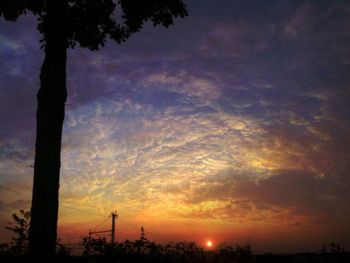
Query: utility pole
114	216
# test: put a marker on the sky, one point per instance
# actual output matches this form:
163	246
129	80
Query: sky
231	125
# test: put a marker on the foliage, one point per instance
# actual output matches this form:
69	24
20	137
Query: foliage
95	246
229	253
143	250
333	253
91	22
139	251
61	250
333	248
20	227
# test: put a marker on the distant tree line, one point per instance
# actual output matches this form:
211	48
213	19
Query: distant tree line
144	250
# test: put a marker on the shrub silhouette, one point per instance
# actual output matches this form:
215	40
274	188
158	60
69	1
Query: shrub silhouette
19	227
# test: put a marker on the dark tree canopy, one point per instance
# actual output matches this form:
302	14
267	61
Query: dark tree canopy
90	23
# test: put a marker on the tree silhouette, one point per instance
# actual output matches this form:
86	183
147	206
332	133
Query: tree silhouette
63	24
19	226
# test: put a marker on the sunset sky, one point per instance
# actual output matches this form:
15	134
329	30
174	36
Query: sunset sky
232	125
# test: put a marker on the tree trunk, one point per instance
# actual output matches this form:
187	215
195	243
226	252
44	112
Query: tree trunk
50	115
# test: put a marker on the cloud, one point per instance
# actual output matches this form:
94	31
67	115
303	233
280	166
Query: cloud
286	197
136	160
8	43
166	160
302	21
203	89
238	38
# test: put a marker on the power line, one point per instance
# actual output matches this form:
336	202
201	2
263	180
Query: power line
14	191
83	211
63	205
138	228
64	168
101	224
131	225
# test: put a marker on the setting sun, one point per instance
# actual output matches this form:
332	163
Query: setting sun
209	244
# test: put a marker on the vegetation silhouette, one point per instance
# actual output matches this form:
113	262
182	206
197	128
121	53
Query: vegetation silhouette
20	227
63	24
144	250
